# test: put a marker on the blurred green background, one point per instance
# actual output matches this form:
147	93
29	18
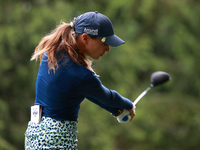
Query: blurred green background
159	34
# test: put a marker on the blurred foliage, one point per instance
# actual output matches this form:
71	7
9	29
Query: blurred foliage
159	34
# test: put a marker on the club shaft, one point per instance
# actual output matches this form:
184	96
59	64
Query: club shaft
141	95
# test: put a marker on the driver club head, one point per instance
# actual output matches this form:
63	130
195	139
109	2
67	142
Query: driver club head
158	78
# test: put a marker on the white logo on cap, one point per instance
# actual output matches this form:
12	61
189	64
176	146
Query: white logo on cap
91	31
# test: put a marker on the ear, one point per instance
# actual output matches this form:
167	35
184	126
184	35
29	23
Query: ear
85	38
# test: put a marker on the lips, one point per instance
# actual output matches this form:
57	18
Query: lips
102	54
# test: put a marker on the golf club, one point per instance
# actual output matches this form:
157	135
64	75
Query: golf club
157	78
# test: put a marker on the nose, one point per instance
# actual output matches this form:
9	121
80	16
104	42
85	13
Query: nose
107	48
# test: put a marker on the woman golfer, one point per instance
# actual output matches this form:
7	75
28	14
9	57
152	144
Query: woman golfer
66	78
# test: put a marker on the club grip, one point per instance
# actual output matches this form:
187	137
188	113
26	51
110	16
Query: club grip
124	116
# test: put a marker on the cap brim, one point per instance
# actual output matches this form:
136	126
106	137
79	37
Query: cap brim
113	40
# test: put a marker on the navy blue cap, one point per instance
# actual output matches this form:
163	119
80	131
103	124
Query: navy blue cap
97	25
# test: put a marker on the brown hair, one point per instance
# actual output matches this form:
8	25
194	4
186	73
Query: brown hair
62	38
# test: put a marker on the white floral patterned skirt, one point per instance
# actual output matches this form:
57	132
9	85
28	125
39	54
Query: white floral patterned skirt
51	134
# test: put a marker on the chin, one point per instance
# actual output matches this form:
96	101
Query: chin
96	58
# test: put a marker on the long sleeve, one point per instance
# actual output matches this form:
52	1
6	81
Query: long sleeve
61	93
106	98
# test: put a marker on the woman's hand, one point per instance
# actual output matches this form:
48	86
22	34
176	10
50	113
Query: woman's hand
125	115
132	112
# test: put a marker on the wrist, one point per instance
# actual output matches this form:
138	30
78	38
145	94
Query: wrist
119	111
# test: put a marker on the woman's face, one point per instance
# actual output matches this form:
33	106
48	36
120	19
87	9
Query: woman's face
94	47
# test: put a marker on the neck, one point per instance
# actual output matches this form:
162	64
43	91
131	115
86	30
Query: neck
81	45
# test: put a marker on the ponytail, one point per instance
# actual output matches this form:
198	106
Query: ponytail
61	38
